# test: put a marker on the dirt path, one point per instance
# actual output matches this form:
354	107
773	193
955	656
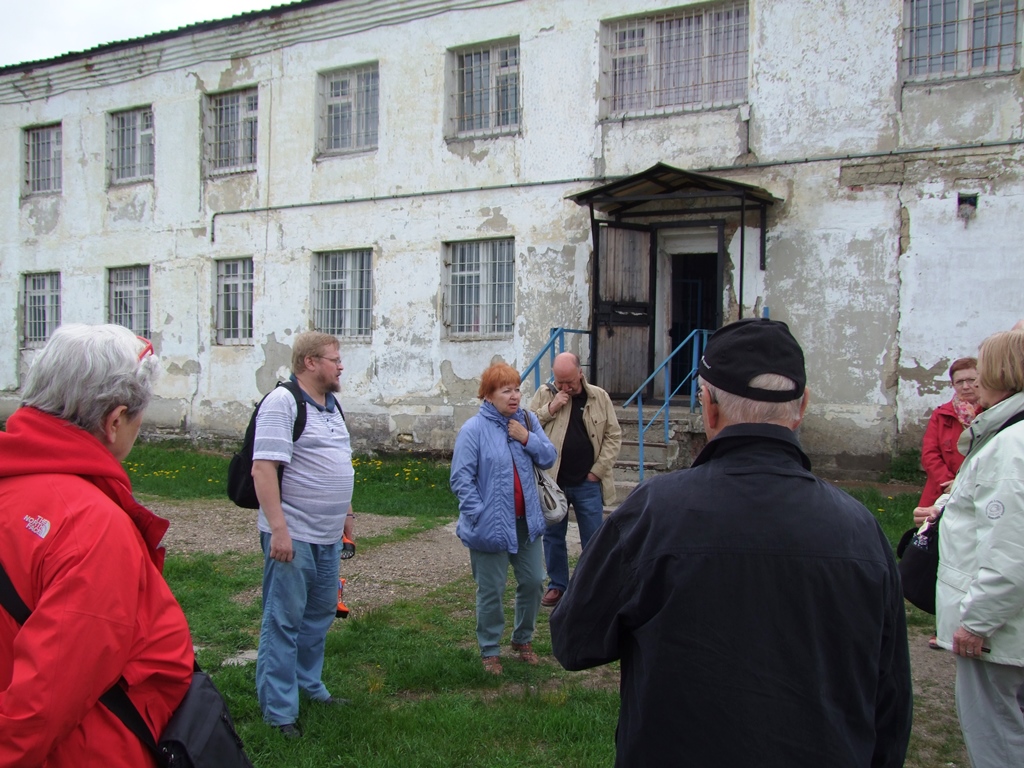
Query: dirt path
374	577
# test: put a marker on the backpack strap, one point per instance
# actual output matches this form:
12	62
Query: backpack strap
300	407
115	698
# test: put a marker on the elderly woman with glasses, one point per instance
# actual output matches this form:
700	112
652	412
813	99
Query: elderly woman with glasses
939	456
84	557
980	592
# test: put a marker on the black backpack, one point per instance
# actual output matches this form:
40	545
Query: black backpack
241	488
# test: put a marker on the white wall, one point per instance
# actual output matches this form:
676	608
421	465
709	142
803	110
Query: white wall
878	278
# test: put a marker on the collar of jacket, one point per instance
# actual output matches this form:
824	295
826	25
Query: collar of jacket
737	435
489	412
40	443
988	422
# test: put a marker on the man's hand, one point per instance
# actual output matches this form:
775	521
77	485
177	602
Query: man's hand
945	486
558	401
593	478
281	546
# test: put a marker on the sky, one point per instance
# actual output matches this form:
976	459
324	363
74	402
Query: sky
41	29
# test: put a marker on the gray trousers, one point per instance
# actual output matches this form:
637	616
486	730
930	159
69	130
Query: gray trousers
990	705
490	571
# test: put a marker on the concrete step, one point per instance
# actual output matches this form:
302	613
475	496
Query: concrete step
664	454
679	418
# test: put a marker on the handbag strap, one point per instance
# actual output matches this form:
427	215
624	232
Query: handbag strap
1011	421
11	600
115	698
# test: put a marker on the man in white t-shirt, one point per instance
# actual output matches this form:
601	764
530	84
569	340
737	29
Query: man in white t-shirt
303	513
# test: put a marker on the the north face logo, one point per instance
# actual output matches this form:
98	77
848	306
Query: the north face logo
40	526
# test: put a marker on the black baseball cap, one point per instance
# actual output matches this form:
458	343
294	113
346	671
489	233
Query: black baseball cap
741	351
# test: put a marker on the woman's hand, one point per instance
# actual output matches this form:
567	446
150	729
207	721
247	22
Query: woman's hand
925	513
517	431
967	644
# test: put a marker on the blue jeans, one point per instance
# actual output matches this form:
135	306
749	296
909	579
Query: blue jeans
490	571
588	504
299	602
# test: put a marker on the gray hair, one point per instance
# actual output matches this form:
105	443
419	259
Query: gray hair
741	410
86	371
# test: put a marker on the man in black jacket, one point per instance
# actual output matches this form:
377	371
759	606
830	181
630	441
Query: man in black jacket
756	609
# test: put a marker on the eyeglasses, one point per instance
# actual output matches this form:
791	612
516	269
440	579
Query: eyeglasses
335	360
146	350
711	398
964	382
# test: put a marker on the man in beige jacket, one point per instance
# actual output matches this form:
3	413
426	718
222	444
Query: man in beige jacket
579	419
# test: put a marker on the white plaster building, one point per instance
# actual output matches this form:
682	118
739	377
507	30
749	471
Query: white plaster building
399	173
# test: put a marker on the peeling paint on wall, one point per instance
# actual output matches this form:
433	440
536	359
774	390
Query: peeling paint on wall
278	357
867	258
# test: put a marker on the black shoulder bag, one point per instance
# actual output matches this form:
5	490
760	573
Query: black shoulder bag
200	733
918	551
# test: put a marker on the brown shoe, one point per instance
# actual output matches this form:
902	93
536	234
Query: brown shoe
525	653
492	664
551	598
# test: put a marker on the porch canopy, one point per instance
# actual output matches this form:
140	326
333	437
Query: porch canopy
626	216
662	191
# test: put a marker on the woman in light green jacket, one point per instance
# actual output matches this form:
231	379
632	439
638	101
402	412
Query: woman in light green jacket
980	590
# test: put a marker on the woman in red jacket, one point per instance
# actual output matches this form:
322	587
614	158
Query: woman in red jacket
939	455
84	556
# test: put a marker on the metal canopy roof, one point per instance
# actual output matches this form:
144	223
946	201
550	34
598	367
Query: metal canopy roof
646	194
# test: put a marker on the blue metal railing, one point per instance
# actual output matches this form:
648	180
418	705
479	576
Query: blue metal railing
695	341
555	346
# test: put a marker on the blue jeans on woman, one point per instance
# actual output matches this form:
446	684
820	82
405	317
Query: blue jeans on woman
490	571
588	504
299	602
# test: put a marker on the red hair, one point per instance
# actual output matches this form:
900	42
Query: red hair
495	377
962	364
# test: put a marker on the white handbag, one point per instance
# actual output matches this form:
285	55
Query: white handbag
552	498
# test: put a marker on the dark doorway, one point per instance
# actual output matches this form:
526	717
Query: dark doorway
694	302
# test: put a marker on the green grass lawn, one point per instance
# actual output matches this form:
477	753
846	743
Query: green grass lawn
412	669
419	695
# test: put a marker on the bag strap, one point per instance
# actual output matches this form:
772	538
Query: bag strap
300	407
11	600
117	701
1011	421
115	698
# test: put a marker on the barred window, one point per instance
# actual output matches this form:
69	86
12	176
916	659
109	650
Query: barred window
131	145
480	288
128	298
685	61
231	131
234	301
342	293
43	159
348	109
486	90
42	307
959	38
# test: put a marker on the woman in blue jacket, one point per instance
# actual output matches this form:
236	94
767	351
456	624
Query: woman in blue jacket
500	518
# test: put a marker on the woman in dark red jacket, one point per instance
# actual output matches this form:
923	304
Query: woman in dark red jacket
939	455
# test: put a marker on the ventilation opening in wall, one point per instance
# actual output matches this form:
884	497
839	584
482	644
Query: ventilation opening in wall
966	207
